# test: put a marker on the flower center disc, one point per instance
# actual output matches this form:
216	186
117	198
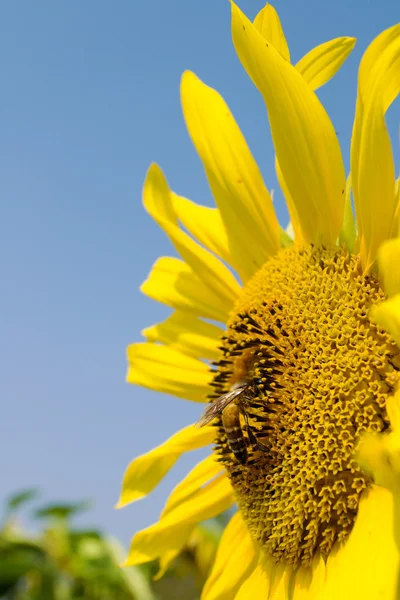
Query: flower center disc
319	374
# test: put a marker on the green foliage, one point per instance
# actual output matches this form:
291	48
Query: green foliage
16	500
62	511
66	563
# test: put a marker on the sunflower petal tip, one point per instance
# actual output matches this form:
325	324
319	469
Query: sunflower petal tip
145	332
142	287
150	169
154	169
129	498
187	76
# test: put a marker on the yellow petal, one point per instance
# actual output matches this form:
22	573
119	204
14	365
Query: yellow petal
166	370
306	145
158	542
379	454
243	200
171	531
174	283
320	64
187	334
215	275
236	558
348	233
207	226
372	166
203	544
166	559
370	64
280	578
367	566
255	587
389	266
197	478
268	24
387	315
309	581
317	67
396	224
145	472
203	472
294	217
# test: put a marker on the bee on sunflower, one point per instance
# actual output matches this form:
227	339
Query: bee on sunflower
296	343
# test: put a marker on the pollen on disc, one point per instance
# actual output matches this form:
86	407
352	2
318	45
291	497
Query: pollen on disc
324	373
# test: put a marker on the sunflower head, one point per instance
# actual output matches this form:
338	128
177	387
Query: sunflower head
323	372
293	342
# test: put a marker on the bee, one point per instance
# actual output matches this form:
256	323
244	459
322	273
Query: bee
230	406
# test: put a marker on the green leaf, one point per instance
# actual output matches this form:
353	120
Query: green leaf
16	500
62	511
286	239
16	558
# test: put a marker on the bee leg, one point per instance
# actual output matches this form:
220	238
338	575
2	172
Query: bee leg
252	438
260	445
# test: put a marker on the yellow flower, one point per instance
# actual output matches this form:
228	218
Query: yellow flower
309	339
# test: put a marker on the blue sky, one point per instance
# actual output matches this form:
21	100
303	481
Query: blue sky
90	96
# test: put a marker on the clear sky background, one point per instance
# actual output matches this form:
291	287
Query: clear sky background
89	97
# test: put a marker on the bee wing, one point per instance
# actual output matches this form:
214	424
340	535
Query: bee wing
214	409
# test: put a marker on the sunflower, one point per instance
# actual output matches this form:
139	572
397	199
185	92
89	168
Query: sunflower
306	330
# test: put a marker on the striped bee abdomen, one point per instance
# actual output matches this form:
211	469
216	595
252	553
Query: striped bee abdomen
233	430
